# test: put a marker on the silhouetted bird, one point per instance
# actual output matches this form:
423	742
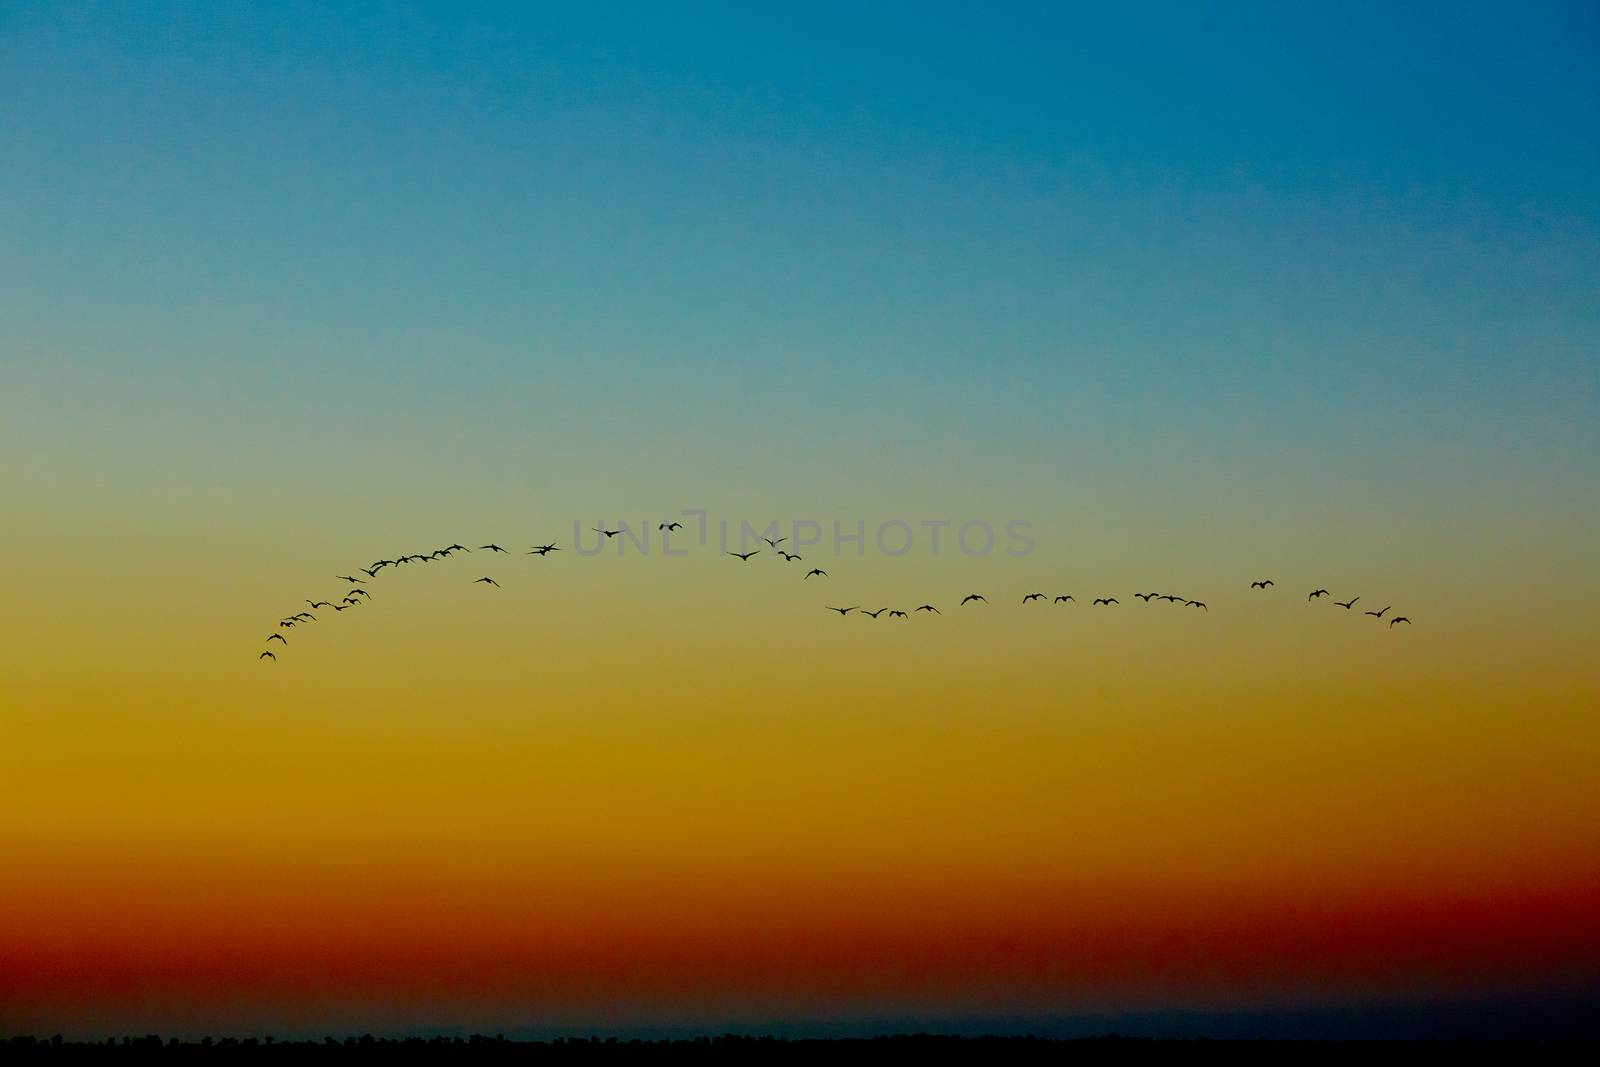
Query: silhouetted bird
268	655
1199	604
874	614
670	526
1144	596
1261	584
608	533
1170	599
541	550
1106	600
320	604
304	615
972	596
774	544
743	555
1349	604
1064	596
842	611
361	592
372	573
1033	596
1316	593
278	637
897	614
788	557
930	607
338	607
1399	618
816	570
1376	614
491	581
458	548
347	578
492	548
286	624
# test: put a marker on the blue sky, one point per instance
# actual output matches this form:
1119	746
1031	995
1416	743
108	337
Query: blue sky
1143	231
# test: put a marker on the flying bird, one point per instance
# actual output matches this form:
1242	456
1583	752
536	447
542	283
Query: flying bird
1262	584
540	550
774	544
897	614
1064	596
1399	618
1376	614
608	533
491	581
361	592
356	581
788	557
287	624
972	596
930	607
338	607
670	526
268	655
816	570
842	611
1170	599
1033	596
458	548
320	604
304	615
874	614
1107	600
745	556
1348	605
373	573
278	637
1145	596
492	548
1198	604
1316	593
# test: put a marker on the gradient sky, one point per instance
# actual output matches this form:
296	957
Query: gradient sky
1203	296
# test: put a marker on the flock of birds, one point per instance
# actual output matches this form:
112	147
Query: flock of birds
356	594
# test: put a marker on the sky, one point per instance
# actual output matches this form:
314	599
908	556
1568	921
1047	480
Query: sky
1192	298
